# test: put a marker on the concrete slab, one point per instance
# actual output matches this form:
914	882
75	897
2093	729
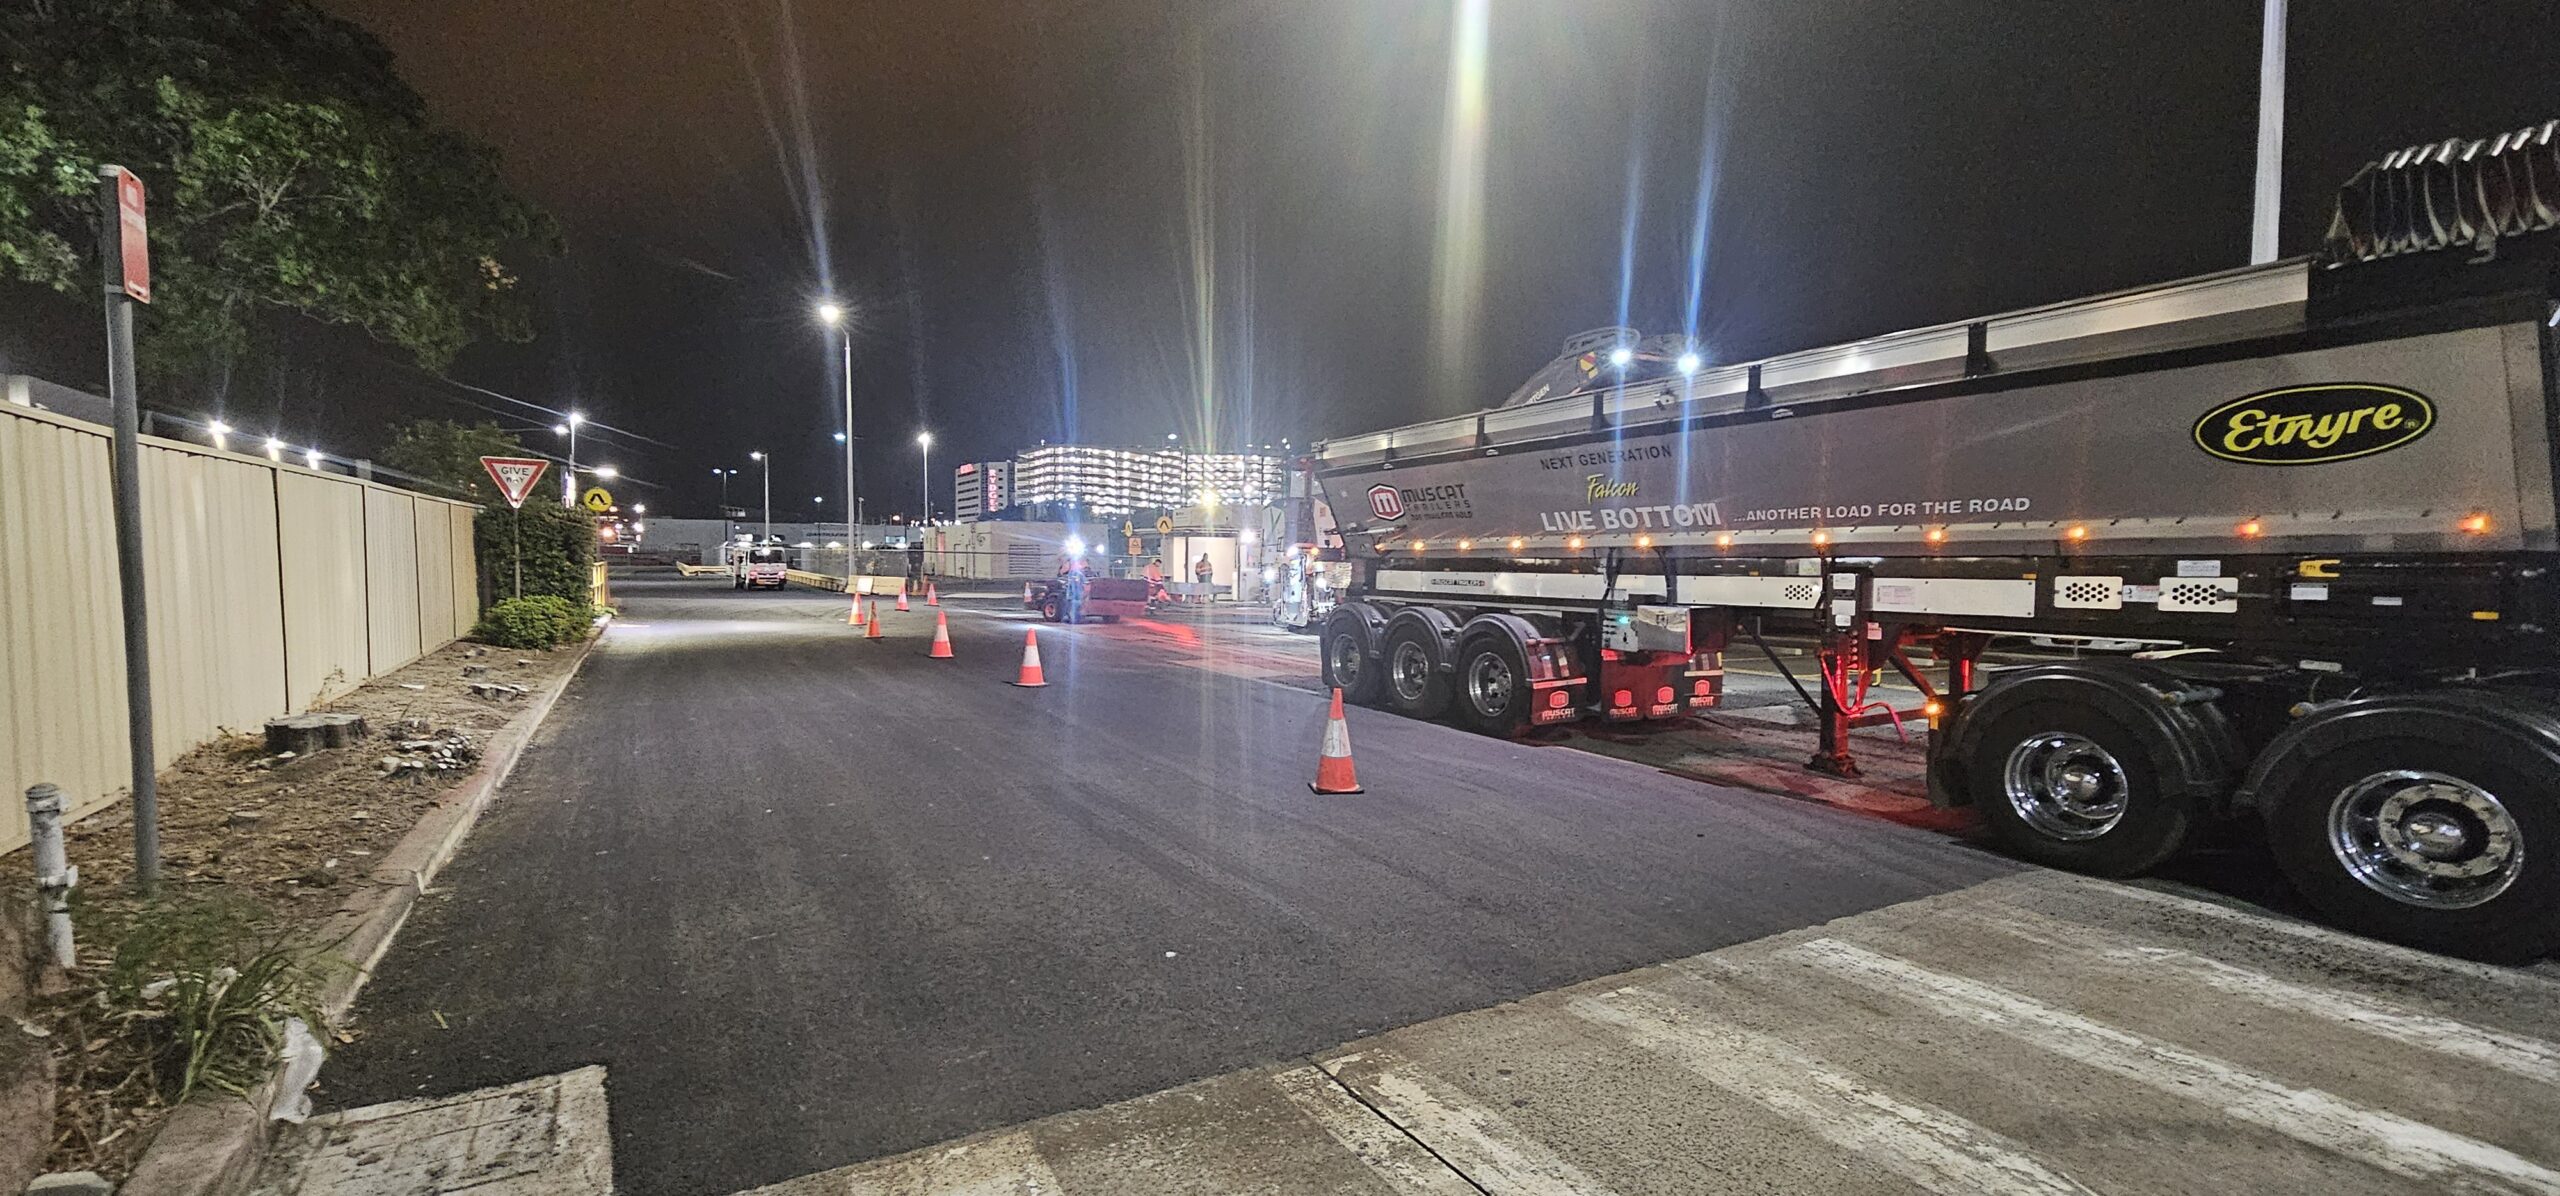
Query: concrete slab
1268	1130
542	1137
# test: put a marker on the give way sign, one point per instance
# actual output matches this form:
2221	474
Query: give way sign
515	476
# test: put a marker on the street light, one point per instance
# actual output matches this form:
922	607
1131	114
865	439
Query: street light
724	475
832	314
767	460
569	476
606	472
639	508
924	440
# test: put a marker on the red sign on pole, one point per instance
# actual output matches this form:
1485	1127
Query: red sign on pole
515	476
133	248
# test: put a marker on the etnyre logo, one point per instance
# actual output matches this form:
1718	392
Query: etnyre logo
1385	503
2312	425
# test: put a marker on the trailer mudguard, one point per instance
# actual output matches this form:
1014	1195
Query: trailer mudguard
2187	736
2528	719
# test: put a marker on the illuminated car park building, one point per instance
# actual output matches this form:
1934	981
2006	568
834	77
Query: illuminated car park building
1119	481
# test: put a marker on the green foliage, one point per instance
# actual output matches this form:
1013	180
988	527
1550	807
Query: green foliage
288	168
559	543
534	622
446	455
200	991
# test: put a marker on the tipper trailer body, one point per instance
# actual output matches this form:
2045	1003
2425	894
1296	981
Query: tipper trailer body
2322	488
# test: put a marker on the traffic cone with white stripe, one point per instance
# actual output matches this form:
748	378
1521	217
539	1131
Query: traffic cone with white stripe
1031	678
902	597
875	633
1333	771
941	637
1026	593
931	598
853	618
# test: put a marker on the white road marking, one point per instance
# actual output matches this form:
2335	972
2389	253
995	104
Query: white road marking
1928	1146
2400	1145
1484	1146
1393	1157
2370	948
2532	1058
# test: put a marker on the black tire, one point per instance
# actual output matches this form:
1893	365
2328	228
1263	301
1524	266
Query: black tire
1110	618
2519	923
1051	609
1348	667
1481	699
1411	680
2121	825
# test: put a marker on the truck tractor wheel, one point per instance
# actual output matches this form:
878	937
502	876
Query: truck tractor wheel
1492	689
1347	665
2451	847
2067	785
1415	686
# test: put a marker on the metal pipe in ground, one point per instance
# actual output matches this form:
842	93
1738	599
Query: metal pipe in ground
54	874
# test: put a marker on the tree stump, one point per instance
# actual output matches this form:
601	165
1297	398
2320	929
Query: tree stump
304	734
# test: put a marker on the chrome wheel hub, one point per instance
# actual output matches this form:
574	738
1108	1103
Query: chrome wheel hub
1489	684
2065	786
2425	839
1410	670
1344	656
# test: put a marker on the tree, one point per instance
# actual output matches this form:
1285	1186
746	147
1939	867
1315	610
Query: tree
558	543
288	167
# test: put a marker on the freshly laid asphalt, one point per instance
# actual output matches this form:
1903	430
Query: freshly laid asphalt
813	900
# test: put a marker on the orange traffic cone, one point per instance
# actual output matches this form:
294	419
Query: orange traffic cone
931	598
1031	678
1333	772
941	637
853	618
902	596
875	633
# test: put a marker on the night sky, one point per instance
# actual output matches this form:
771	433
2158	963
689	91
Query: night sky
1074	218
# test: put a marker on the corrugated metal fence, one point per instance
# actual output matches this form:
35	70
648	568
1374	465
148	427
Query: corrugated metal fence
271	588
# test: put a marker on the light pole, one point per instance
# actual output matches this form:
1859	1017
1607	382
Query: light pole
724	475
924	440
767	460
569	476
832	314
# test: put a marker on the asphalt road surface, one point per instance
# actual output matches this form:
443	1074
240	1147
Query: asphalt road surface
812	900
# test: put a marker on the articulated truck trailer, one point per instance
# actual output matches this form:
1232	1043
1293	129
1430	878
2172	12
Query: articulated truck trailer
2318	492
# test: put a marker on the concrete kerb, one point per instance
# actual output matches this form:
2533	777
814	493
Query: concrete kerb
213	1145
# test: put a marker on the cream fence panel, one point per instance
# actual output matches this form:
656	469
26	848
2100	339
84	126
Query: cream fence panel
271	588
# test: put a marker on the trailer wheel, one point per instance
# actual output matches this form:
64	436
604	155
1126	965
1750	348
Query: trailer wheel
1347	666
2451	847
1492	686
2067	785
1415	686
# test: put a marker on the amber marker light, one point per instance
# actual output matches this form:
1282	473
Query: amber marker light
1575	542
2252	529
2475	523
1725	541
2077	532
1937	535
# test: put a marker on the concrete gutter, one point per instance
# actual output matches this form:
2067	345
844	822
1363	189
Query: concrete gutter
213	1144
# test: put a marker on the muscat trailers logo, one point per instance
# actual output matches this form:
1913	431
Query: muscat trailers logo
1385	503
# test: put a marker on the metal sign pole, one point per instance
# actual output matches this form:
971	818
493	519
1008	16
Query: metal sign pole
127	455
